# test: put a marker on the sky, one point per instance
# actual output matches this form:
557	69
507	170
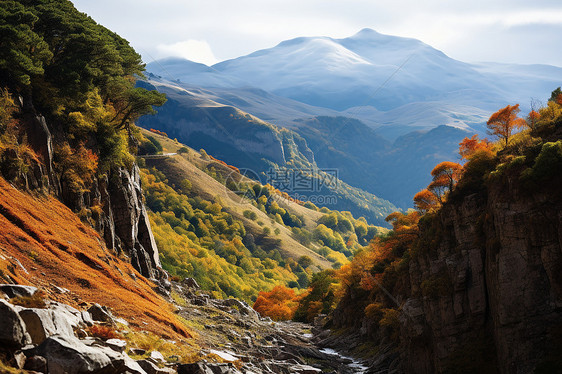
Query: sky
210	31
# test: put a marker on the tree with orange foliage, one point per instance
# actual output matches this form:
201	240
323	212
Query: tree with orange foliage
445	176
502	123
279	304
533	118
425	201
469	146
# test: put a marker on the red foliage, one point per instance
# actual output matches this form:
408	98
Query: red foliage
469	146
279	304
504	121
533	118
445	176
103	332
225	164
159	132
426	200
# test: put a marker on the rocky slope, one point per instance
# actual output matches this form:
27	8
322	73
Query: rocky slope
57	338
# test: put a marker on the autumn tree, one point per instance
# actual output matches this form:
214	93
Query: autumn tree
533	118
504	121
445	176
279	304
469	146
425	200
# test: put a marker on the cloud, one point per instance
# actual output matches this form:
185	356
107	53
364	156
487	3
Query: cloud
194	50
472	31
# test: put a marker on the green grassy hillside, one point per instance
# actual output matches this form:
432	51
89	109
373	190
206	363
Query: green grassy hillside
218	226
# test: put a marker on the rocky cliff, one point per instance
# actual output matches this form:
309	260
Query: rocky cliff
479	289
121	220
497	273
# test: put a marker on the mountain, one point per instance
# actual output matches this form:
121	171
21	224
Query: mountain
370	88
246	141
375	70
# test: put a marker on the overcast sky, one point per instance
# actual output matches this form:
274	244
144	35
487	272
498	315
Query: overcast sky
210	31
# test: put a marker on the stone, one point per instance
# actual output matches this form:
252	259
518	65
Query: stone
71	356
36	363
191	283
243	308
87	318
19	359
117	345
150	368
43	323
196	368
100	313
205	368
137	351
14	290
13	333
305	369
157	356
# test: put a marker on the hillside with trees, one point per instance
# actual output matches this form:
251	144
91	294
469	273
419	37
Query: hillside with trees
207	216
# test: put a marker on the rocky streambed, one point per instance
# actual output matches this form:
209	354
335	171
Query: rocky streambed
231	336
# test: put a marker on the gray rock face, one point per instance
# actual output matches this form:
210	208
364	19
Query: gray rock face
13	290
131	221
70	356
151	368
492	264
12	328
100	313
204	368
43	323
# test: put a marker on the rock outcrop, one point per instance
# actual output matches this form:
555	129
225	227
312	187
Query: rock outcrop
482	293
131	224
12	328
123	221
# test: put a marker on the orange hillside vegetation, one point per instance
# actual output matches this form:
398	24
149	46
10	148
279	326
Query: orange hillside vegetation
43	243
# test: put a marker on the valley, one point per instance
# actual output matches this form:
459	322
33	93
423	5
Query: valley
328	205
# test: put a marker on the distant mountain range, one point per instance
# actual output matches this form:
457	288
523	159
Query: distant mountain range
382	109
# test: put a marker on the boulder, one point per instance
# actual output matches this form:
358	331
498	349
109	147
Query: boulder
14	290
13	334
66	355
70	356
243	308
205	368
43	323
157	356
100	314
117	345
36	363
152	368
74	316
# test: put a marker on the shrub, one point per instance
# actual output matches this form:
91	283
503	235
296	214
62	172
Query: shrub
35	301
103	332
